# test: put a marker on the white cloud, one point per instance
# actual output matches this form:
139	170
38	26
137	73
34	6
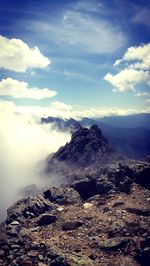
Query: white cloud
20	89
24	146
140	54
101	112
34	113
82	32
61	106
17	56
143	94
136	71
127	79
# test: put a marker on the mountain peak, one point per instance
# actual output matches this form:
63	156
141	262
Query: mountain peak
87	147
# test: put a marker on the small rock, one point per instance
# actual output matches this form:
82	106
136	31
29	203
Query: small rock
32	254
46	219
35	245
60	209
24	232
15	223
15	247
71	225
41	258
87	205
23	261
12	233
41	264
59	261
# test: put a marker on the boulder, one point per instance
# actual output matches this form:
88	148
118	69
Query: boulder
46	219
85	187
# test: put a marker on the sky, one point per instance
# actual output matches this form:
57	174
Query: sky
65	58
75	58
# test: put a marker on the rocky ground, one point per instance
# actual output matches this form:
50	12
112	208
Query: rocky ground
100	219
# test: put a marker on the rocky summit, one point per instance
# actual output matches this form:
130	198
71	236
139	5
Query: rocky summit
88	147
101	217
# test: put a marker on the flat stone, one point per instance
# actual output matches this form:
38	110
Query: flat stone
15	223
60	209
87	205
32	254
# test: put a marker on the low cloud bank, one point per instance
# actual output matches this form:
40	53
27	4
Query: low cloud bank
24	146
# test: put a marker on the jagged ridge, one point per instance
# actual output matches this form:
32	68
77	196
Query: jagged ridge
87	147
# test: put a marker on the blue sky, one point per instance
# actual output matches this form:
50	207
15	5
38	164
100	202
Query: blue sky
79	44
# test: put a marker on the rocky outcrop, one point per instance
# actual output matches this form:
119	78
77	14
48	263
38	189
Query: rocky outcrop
105	229
62	195
87	147
28	208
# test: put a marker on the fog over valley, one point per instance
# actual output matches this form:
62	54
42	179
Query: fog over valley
24	148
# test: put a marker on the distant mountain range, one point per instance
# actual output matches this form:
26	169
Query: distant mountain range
129	135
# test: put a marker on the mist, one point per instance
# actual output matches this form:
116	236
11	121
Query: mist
24	146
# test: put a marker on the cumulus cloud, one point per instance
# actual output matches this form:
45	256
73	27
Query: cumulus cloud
17	56
139	55
127	79
24	144
135	72
20	89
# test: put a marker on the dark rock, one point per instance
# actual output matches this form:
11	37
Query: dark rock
12	233
144	257
24	261
15	246
28	207
87	147
140	212
71	225
86	188
53	253
104	186
114	244
125	185
46	219
59	261
62	195
142	175
118	204
116	229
